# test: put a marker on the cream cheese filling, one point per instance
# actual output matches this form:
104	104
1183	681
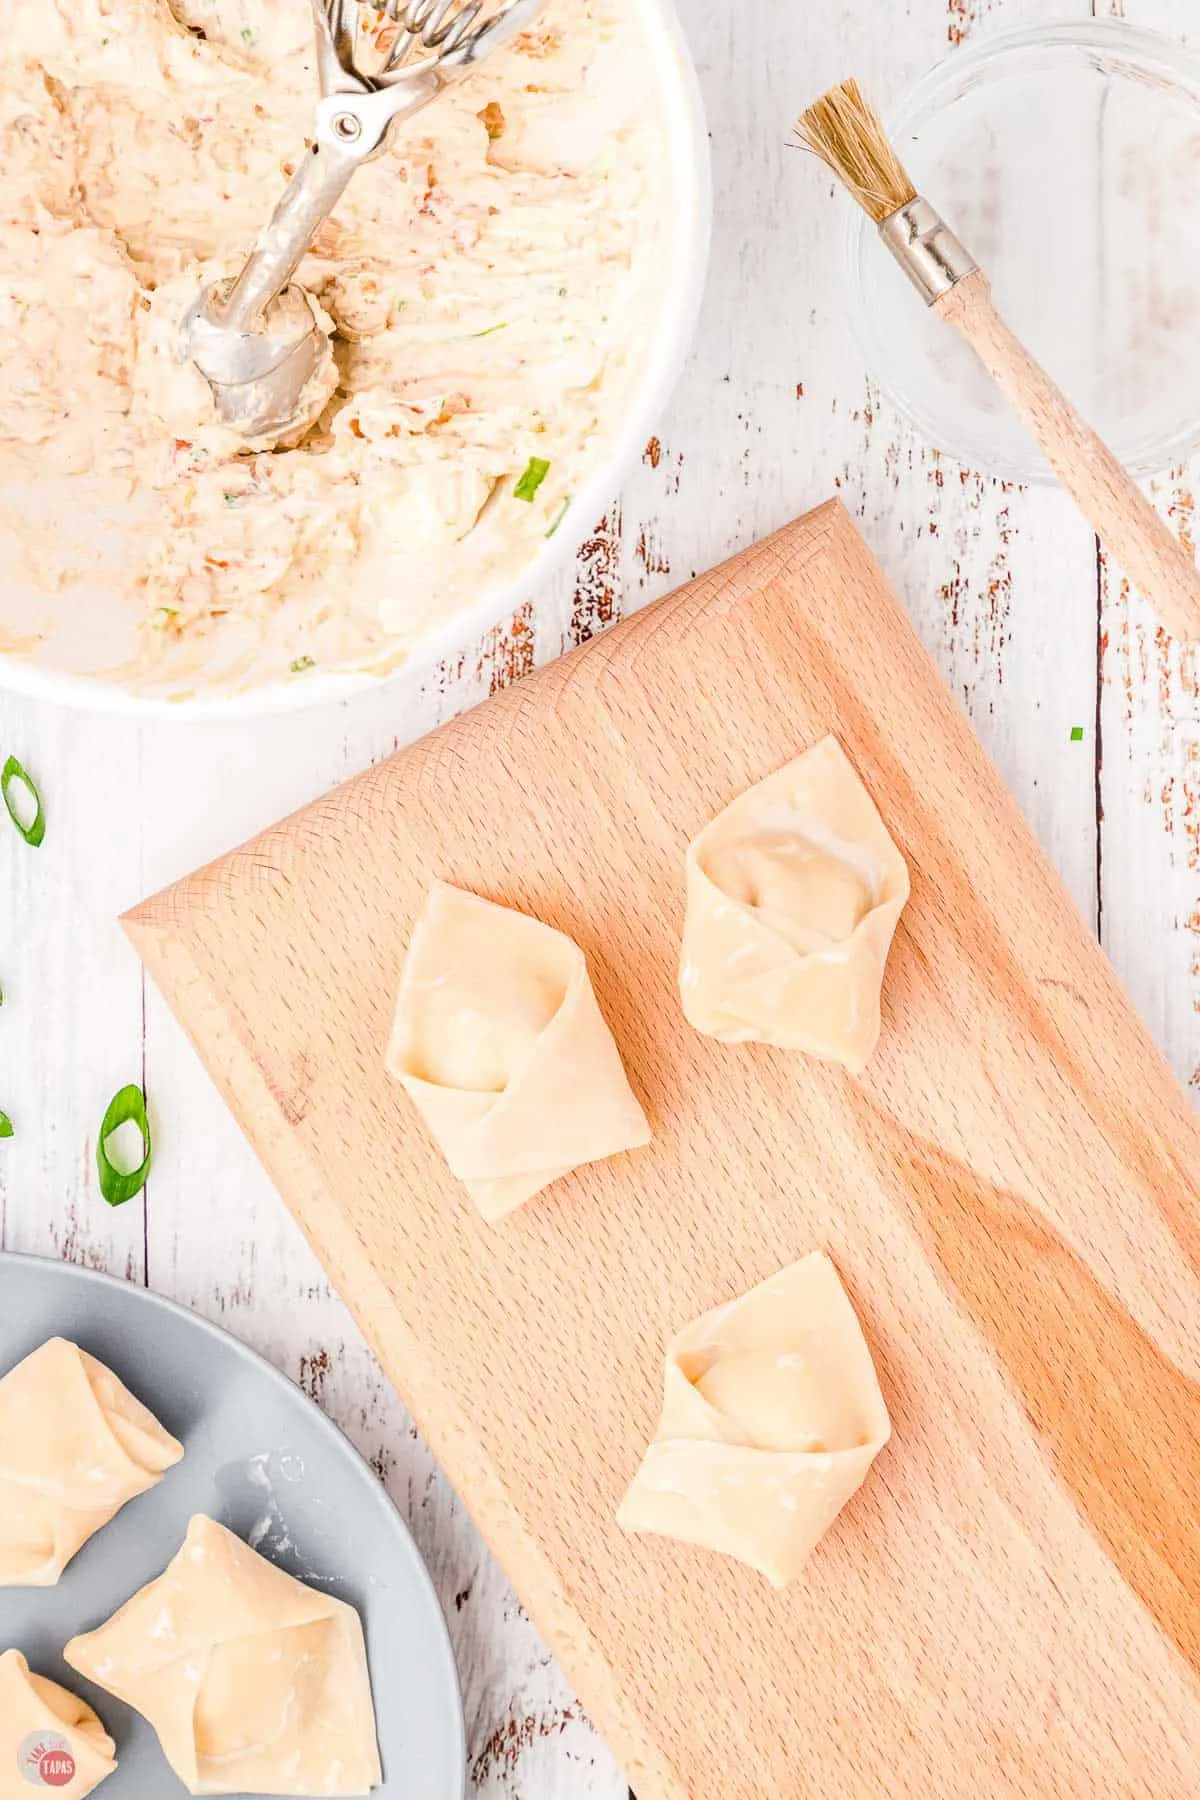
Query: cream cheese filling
491	281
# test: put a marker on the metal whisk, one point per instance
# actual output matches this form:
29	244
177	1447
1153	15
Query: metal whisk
256	339
435	25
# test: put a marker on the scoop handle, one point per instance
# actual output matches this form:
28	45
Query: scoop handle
1105	492
320	180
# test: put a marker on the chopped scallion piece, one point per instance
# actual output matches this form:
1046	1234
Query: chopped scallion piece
34	832
118	1185
1077	734
559	516
301	663
536	472
489	329
6	1125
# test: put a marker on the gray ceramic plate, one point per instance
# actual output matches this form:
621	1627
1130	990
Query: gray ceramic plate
264	1461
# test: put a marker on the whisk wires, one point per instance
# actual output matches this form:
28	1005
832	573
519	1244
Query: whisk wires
383	37
846	132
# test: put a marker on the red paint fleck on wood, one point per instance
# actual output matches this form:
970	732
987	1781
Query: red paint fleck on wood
952	593
1182	513
1189	670
1164	671
1189	809
999	613
508	652
598	579
314	1373
650	553
71	1243
508	1743
961	21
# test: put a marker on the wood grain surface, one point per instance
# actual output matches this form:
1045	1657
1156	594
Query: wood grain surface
1012	1605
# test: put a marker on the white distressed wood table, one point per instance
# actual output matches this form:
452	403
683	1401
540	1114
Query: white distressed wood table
774	413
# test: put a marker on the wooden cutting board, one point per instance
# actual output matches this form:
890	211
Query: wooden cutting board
1011	1606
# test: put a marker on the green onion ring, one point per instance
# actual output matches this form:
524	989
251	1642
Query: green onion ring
12	771
6	1125
115	1185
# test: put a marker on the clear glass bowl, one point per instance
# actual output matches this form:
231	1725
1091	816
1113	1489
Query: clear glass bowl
1067	158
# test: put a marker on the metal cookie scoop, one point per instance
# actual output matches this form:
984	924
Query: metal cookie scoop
257	339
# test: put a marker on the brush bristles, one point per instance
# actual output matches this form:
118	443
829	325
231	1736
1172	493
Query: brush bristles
846	132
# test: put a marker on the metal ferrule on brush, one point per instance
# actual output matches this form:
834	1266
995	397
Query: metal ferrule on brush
926	249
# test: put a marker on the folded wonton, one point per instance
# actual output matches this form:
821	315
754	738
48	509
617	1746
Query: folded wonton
793	894
253	1682
74	1447
500	1042
771	1419
49	1737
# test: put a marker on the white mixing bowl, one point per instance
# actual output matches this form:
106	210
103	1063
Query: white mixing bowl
689	171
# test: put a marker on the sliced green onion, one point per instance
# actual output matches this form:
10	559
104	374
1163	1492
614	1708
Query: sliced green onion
6	1125
1077	734
301	663
488	329
117	1186
13	772
559	516
536	472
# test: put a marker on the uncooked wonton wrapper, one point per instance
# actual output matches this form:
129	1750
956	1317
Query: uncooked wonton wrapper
793	894
74	1447
500	1041
254	1683
50	1739
771	1418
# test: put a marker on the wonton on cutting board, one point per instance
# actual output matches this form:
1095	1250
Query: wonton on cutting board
771	1418
500	1041
793	895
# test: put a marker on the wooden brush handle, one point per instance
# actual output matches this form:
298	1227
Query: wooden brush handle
1106	493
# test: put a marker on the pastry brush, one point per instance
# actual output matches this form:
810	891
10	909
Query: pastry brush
847	134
